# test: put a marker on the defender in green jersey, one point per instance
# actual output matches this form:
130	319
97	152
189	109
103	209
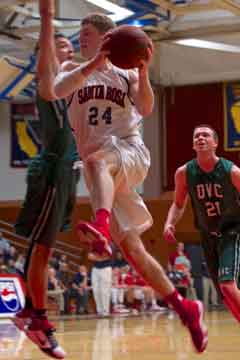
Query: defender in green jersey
213	184
51	187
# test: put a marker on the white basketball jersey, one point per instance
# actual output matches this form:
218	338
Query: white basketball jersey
102	107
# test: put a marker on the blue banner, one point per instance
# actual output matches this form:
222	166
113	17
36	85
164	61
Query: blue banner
25	134
232	116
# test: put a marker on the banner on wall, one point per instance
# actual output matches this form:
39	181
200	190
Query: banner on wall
25	134
12	297
232	116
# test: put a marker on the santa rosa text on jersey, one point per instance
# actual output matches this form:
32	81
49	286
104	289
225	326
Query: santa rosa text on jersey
101	92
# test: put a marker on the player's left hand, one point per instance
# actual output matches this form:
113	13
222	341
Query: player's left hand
144	63
169	234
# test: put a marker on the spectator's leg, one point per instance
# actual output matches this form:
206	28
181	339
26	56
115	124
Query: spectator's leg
114	297
66	296
61	300
206	287
192	291
78	298
105	288
129	293
121	296
74	294
84	300
96	290
214	295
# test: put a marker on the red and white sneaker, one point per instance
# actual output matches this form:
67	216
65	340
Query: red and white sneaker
41	332
193	319
120	309
98	235
23	318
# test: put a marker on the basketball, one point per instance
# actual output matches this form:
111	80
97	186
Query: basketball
128	46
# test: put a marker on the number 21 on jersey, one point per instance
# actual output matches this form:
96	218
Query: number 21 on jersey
213	208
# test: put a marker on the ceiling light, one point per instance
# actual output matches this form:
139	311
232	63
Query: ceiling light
118	13
203	44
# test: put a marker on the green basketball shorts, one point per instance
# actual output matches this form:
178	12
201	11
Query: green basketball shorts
49	200
222	255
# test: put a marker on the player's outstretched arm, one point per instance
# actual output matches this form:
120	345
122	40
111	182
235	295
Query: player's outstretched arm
73	75
178	206
48	65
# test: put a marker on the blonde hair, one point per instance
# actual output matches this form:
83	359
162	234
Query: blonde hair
100	21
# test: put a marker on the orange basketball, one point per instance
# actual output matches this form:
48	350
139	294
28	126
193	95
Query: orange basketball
128	45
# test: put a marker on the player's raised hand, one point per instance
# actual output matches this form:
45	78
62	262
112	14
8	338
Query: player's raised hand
47	7
169	234
150	48
105	42
144	63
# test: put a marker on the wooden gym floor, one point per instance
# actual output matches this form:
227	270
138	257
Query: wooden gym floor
154	336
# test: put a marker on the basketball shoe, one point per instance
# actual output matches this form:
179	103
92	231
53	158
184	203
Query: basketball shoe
41	332
23	318
98	235
192	318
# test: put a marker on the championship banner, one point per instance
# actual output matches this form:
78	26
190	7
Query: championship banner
25	134
232	116
11	295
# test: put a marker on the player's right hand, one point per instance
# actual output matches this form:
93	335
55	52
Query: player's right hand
169	234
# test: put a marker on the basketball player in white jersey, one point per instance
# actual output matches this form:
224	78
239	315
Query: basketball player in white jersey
106	108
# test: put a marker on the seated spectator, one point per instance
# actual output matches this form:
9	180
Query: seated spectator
54	289
4	244
54	262
3	269
12	254
79	290
19	264
62	260
180	250
179	279
139	295
11	267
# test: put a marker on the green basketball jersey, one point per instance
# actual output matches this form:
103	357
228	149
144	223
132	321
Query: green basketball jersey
214	198
56	134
